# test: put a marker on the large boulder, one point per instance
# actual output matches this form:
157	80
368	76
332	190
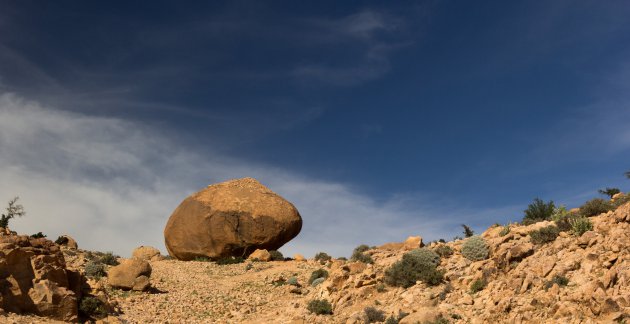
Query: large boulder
231	218
34	278
130	274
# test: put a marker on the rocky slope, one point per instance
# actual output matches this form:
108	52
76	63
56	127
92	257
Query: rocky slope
522	284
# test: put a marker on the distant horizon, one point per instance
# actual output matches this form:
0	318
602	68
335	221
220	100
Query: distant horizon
378	121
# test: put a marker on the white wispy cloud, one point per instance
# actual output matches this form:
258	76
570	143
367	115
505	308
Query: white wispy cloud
112	185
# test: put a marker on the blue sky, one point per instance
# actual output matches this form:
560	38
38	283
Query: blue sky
378	120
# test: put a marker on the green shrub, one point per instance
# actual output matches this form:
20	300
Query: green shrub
545	234
109	258
475	249
505	230
478	285
359	255
595	207
559	213
13	209
95	270
293	281
538	211
425	255
391	320
412	268
319	273
317	281
92	307
564	222
562	281
374	315
443	251
322	257
380	287
230	260
581	225
38	235
319	307
276	255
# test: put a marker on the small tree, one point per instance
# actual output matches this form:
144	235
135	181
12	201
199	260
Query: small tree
610	192
538	211
14	209
468	232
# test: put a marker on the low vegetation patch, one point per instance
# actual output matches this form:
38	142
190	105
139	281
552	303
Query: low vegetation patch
544	235
538	211
92	307
411	268
475	249
109	258
230	260
276	255
478	285
595	207
319	273
581	225
374	315
505	230
443	251
359	254
561	281
322	257
38	235
319	307
94	269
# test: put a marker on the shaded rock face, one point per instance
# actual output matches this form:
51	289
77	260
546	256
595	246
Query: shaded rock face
34	279
232	218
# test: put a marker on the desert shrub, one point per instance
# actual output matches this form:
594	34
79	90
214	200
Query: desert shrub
380	287
359	255
202	259
478	285
95	270
109	258
557	279
293	281
564	222
545	234
610	192
319	307
230	260
319	273
559	213
374	315
443	251
317	281
538	211
322	257
391	320
276	255
412	268
445	291
342	259
38	235
425	255
61	240
581	225
475	249
92	307
505	230
13	209
468	232
595	207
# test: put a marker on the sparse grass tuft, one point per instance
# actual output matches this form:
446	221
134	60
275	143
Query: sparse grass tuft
544	235
319	307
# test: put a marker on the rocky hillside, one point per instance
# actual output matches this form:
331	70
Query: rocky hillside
553	277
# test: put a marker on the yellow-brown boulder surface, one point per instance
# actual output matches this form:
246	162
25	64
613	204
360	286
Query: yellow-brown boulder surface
231	218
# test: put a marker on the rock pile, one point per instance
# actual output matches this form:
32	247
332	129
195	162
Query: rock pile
34	278
231	218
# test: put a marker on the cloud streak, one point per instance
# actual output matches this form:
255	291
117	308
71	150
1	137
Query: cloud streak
112	184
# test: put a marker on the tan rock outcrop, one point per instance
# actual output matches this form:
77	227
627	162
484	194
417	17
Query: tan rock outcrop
34	279
66	240
130	274
148	253
231	218
260	255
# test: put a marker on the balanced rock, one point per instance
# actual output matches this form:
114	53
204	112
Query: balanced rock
130	274
148	253
231	218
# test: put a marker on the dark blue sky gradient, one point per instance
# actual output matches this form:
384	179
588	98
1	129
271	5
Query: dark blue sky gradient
485	103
